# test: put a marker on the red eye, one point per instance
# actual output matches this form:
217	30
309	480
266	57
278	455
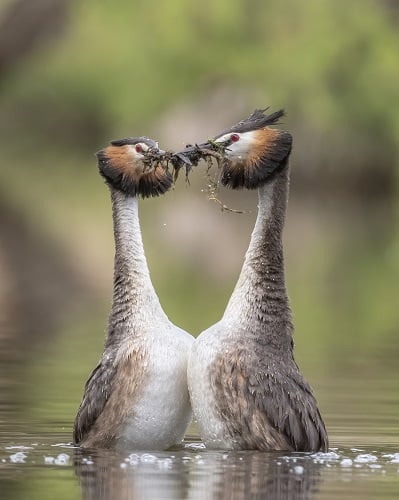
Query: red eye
138	148
234	137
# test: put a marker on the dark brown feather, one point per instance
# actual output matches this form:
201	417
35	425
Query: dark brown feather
257	120
265	402
108	400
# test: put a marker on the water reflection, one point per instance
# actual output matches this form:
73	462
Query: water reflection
255	475
106	476
190	474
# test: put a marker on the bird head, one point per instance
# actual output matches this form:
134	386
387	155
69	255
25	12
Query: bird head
252	151
134	166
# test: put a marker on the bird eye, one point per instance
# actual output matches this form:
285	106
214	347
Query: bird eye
138	148
234	137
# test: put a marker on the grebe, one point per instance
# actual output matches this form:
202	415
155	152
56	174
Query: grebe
137	396
246	389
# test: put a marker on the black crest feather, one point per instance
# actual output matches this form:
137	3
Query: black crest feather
255	121
131	141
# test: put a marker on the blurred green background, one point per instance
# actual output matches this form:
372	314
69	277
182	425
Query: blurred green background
74	75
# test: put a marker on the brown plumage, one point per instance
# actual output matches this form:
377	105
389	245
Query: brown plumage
118	165
103	412
264	402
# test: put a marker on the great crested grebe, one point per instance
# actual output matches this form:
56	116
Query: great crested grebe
246	389
137	396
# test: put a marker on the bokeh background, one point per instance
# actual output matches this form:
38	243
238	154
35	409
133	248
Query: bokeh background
74	75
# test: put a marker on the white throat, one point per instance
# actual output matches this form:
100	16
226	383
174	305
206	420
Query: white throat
239	149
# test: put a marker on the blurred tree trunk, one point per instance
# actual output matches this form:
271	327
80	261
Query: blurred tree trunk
28	24
39	286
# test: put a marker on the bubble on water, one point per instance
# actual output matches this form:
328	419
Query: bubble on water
62	459
123	465
147	458
49	460
328	455
298	469
394	457
133	459
18	458
323	457
366	458
346	462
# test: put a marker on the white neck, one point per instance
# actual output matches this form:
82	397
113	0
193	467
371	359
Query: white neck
133	290
259	304
239	298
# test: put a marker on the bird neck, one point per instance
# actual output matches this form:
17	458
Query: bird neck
134	296
259	302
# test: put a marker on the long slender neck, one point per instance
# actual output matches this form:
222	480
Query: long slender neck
134	300
259	302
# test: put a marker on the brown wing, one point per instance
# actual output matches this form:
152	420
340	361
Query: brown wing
97	392
266	404
109	398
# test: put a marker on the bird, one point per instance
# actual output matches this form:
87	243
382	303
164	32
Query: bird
137	396
246	390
